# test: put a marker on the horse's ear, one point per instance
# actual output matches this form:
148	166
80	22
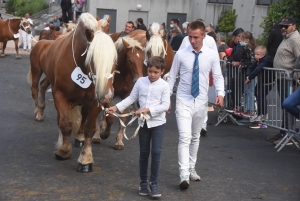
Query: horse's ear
164	37
125	43
89	35
97	18
148	35
109	19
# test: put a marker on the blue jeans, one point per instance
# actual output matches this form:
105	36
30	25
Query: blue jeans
153	136
249	96
291	102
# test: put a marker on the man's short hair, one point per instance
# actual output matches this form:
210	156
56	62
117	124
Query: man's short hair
197	25
140	20
262	49
130	22
157	61
176	21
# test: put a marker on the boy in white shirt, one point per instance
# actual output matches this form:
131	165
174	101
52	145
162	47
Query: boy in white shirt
153	94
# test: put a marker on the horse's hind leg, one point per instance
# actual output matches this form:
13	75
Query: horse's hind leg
43	87
119	145
78	125
17	49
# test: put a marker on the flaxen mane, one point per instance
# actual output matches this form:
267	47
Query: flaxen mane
132	43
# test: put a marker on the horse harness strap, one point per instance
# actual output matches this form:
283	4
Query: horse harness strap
143	117
10	29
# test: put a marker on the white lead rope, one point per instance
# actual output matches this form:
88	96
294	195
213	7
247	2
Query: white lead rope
143	117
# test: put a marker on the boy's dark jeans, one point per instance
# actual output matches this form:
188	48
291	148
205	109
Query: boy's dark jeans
154	136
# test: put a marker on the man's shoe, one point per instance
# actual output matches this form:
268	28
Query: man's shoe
277	141
203	132
154	190
184	182
193	175
143	189
275	137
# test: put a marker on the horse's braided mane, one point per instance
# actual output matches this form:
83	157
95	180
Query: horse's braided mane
132	43
156	43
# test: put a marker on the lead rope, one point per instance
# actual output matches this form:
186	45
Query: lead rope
143	117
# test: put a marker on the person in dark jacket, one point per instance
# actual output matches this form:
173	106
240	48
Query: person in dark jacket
66	8
140	24
265	80
176	39
274	39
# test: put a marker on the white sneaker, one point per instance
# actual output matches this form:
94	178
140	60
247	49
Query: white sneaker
184	182
193	175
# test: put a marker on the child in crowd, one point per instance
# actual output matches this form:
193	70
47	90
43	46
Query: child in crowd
153	94
265	80
248	45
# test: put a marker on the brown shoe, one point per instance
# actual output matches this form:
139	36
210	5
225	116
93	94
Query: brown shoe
275	137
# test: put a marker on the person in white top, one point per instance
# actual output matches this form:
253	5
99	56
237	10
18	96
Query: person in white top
26	37
191	102
153	94
208	41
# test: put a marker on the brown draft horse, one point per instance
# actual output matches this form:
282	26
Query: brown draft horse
156	46
130	65
70	63
51	34
10	31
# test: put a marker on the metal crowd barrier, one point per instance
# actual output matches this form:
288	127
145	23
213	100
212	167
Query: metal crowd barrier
242	103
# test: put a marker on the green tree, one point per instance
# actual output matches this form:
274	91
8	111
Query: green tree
226	22
21	7
277	11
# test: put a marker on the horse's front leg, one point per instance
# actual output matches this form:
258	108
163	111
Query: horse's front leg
3	48
119	145
85	160
78	124
63	146
17	48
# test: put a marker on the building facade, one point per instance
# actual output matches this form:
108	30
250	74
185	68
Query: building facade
250	12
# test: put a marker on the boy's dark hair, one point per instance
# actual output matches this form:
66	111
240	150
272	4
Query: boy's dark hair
176	21
157	61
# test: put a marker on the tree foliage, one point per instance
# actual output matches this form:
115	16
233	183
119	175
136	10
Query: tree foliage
226	22
277	11
21	7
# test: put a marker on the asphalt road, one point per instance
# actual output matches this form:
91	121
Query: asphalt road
235	163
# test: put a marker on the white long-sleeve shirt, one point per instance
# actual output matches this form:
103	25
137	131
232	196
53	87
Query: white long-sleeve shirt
152	95
183	64
208	41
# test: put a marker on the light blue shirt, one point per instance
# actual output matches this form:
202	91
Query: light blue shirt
183	64
152	95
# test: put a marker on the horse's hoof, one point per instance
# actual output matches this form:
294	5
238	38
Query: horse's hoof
119	147
18	57
78	143
2	55
85	168
58	157
96	140
39	119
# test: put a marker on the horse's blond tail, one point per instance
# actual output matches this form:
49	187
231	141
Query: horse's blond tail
29	76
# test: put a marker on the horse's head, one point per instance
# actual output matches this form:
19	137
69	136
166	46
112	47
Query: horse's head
101	55
134	55
25	25
104	24
156	43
